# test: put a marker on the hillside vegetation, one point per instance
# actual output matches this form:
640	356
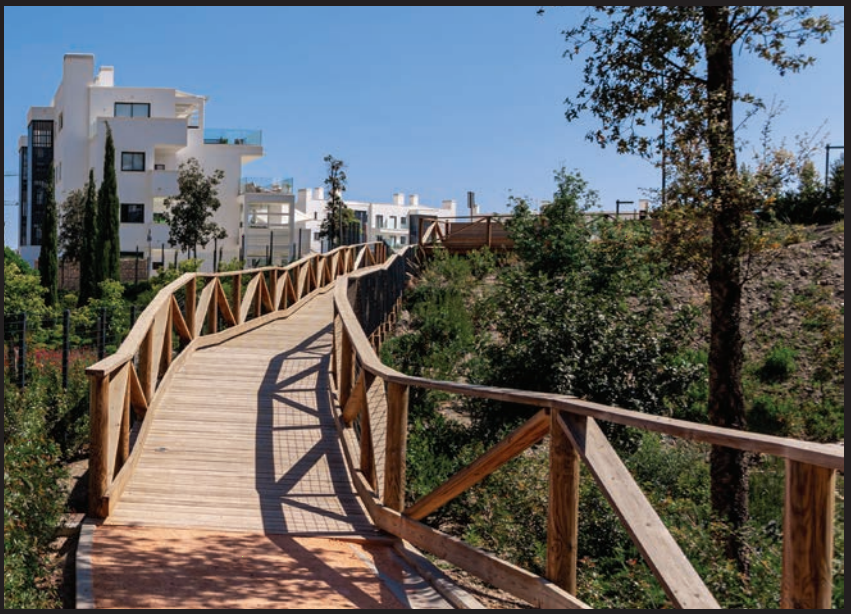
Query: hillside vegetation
597	313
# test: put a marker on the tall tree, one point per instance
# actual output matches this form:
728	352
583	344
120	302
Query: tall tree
89	244
189	213
338	217
48	261
109	217
71	226
673	66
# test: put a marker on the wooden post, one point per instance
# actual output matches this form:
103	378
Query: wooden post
490	232
168	343
258	297
563	522
335	341
236	294
190	305
808	537
213	312
367	450
397	446
273	288
146	365
124	432
347	368
99	435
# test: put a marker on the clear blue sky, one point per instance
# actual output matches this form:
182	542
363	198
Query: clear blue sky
428	100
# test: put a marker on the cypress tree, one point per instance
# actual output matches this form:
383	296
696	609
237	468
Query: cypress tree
89	253
48	260
109	252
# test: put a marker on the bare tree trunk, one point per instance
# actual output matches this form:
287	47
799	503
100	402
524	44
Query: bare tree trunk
729	473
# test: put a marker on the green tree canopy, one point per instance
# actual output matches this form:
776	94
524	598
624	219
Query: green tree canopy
72	226
338	217
48	264
189	213
108	252
89	244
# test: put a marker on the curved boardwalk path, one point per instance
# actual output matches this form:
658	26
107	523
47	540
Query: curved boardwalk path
242	498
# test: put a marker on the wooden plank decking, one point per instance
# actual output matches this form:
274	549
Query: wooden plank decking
245	440
242	497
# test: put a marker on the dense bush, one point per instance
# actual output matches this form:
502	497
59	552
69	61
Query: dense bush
582	312
32	498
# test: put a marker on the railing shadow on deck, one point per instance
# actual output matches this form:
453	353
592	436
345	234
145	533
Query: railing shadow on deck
365	305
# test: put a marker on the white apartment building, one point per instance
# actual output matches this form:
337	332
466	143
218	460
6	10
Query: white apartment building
396	223
154	131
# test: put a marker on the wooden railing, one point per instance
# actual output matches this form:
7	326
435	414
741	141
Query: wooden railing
192	312
374	404
462	235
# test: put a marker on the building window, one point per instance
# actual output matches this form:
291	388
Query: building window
379	221
393	222
317	236
404	222
132	161
132	109
132	213
403	240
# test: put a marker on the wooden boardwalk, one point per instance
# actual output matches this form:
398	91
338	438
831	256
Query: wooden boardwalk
242	498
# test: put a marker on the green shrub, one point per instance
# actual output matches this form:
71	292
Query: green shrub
32	500
779	365
773	414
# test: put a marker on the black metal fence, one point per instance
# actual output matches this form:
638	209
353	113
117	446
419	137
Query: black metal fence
33	343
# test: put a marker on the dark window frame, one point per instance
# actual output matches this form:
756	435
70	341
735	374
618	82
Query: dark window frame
136	215
133	108
127	159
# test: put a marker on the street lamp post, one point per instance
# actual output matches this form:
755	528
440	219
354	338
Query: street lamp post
827	149
150	254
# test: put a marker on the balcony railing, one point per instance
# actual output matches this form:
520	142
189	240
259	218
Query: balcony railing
215	136
265	185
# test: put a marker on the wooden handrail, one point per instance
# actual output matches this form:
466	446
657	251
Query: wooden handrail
808	536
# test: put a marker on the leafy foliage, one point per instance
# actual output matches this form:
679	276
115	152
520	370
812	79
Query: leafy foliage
32	500
646	67
12	257
108	247
779	365
189	213
338	217
811	203
22	292
89	243
72	226
48	263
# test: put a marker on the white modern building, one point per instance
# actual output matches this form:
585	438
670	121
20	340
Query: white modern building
154	131
396	223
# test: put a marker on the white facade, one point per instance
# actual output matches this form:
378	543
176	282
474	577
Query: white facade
154	131
395	223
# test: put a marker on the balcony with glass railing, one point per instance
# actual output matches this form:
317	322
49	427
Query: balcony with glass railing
265	185
216	136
